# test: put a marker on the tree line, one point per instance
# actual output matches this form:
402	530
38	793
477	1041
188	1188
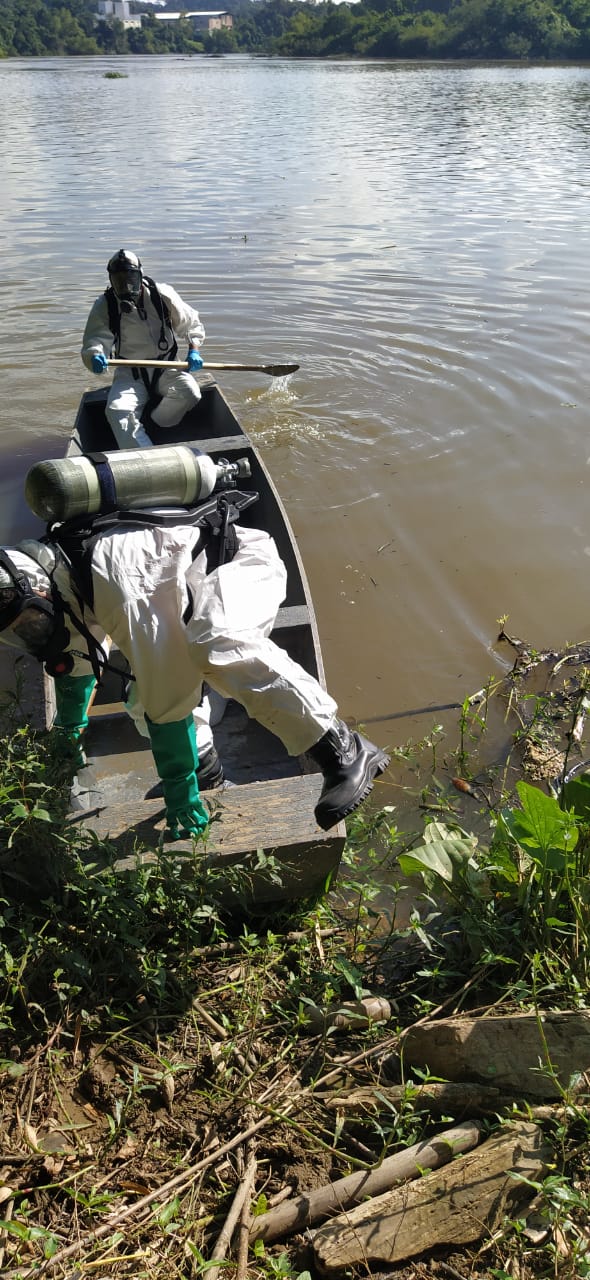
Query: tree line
513	29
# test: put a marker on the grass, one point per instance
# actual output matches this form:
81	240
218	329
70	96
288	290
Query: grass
152	1045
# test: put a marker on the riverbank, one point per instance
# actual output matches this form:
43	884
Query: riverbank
174	1077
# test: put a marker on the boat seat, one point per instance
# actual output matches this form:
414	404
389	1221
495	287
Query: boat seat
296	615
220	444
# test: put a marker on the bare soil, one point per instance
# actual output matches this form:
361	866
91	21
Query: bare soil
100	1131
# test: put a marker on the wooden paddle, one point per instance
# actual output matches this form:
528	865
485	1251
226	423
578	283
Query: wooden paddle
275	370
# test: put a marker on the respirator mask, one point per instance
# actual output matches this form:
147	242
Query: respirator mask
126	279
29	621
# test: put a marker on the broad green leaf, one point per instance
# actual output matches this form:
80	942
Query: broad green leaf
439	857
541	827
15	1229
41	815
576	796
436	831
19	811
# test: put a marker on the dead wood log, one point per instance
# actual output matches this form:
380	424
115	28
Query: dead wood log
534	1056
435	1097
302	1211
454	1205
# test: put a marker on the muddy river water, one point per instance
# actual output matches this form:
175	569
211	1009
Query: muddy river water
416	236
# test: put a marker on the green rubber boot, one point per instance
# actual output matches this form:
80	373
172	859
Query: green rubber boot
175	752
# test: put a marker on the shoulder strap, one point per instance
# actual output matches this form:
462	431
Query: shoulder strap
163	314
76	539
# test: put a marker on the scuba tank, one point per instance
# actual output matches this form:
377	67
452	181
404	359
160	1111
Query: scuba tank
93	484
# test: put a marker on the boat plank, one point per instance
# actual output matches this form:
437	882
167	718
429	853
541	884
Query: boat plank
275	817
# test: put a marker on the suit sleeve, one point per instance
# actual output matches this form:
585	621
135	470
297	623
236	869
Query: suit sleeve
185	321
98	336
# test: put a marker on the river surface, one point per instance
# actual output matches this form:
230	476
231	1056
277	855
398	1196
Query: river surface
417	237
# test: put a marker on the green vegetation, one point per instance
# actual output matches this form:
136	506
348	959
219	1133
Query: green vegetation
507	29
155	1042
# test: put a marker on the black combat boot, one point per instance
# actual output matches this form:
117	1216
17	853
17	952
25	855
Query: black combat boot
349	763
209	770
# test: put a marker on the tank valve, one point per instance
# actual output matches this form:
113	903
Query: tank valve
229	472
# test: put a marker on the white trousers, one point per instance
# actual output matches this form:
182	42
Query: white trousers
128	397
228	635
207	714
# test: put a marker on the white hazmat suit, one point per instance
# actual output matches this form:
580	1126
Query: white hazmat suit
142	579
139	338
178	626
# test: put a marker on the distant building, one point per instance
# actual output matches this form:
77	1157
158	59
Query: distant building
201	19
117	9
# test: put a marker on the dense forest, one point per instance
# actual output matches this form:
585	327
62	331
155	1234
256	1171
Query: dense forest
514	29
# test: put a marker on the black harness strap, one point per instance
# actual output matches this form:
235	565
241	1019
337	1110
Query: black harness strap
168	348
164	318
59	659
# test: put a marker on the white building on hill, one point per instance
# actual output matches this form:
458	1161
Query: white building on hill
202	19
117	9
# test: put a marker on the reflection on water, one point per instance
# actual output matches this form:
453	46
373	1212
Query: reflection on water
416	237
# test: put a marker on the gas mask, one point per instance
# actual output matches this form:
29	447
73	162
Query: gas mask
127	286
126	279
29	620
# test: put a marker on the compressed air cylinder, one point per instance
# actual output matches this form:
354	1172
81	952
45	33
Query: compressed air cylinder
174	475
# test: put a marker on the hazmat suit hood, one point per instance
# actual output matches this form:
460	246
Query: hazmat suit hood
26	610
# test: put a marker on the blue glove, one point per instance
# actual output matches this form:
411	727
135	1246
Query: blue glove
174	747
195	361
99	363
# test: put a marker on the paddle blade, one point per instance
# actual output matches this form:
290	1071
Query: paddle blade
280	370
274	370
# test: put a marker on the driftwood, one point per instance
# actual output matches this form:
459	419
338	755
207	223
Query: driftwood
529	1055
437	1097
302	1211
454	1205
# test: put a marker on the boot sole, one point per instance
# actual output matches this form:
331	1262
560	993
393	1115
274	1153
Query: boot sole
377	765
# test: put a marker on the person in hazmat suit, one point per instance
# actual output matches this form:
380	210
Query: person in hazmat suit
135	318
179	622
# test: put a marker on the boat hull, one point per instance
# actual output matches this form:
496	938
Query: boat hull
268	802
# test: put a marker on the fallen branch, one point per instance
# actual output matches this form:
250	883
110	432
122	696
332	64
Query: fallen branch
243	1242
239	1201
302	1211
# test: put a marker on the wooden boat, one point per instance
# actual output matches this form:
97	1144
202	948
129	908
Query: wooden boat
268	802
